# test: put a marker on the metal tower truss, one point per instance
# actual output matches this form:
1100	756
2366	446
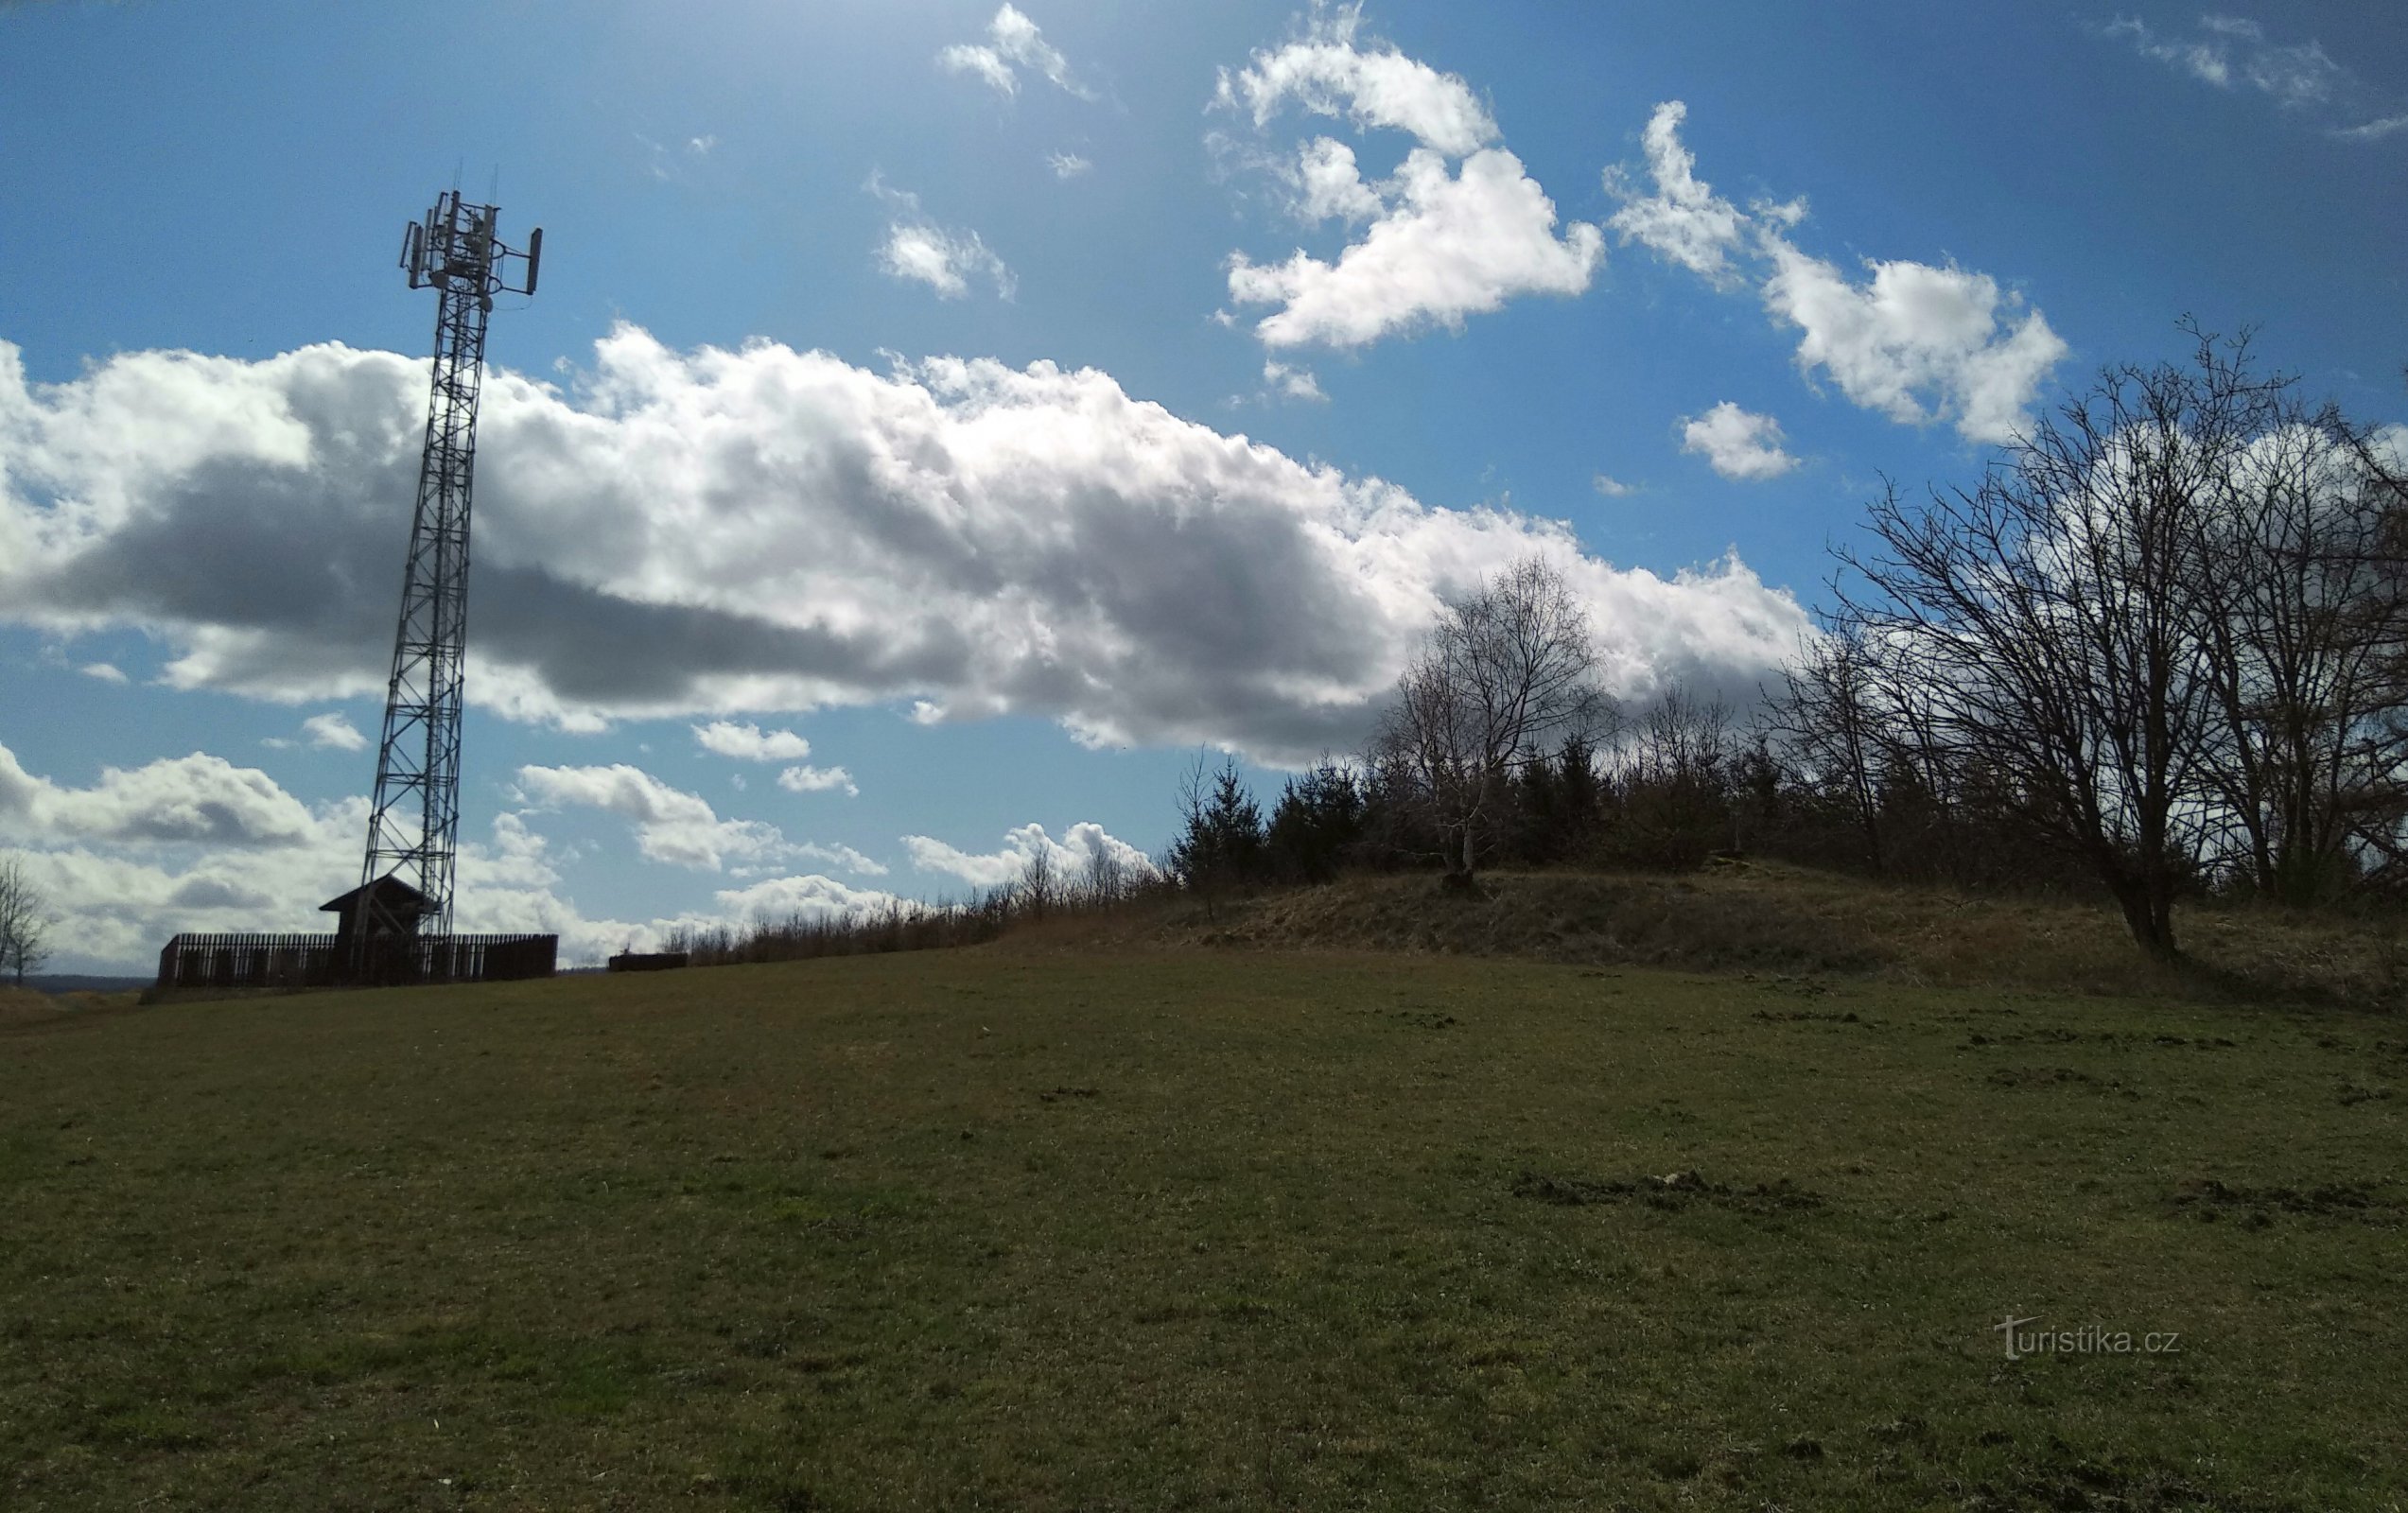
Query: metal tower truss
415	819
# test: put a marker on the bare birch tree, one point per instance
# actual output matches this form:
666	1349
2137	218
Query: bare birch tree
1505	675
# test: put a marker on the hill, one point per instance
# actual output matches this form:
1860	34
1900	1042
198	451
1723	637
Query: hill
1768	916
1035	1229
29	1005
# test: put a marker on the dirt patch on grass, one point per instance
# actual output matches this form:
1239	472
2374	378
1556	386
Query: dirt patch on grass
2116	1039
1678	1190
2208	1199
1418	1018
2079	1485
2056	1077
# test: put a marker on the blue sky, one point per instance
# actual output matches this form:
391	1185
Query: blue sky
884	389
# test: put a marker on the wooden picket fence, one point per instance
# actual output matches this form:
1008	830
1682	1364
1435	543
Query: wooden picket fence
248	961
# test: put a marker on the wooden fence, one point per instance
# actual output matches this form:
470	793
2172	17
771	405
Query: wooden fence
324	961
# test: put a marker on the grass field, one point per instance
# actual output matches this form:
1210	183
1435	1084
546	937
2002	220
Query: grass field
1015	1229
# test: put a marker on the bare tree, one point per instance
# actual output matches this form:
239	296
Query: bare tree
2382	458
1866	732
1676	770
2306	623
1039	887
1682	736
1506	674
1829	715
24	920
2049	623
1107	878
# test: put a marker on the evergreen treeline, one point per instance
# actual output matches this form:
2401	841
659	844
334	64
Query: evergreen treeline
1688	783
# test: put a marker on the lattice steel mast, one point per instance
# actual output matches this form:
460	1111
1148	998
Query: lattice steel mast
415	819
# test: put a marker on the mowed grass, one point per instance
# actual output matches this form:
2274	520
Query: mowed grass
997	1228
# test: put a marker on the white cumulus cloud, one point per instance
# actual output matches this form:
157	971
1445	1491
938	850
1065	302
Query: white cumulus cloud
195	844
945	261
1294	383
671	825
713	534
1329	184
750	743
1684	221
332	732
917	250
1011	39
812	899
123	871
1738	445
1918	343
817	780
1449	245
1069	858
182	844
1439	245
1328	73
200	799
841	856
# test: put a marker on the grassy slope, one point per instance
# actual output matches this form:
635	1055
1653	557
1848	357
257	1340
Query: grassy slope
990	1229
1771	916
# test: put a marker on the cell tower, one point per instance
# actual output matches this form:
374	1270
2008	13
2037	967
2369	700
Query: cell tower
416	815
